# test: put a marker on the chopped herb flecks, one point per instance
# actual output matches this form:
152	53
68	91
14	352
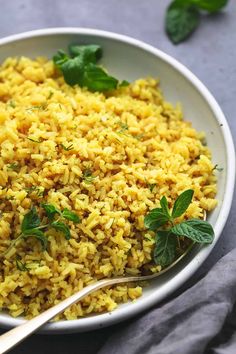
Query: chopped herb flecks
38	191
124	127
67	148
35	140
12	104
219	169
88	176
41	107
13	166
151	186
51	93
21	266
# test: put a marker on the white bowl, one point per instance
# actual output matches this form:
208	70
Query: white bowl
129	59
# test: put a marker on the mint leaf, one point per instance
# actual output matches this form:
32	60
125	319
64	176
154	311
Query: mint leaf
165	248
197	230
30	220
155	219
81	68
70	215
164	206
73	71
38	234
210	5
21	266
124	83
60	226
182	18
50	210
60	58
96	79
90	53
182	202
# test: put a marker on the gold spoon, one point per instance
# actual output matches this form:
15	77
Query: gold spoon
9	339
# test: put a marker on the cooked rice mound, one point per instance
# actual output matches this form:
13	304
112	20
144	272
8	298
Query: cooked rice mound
136	147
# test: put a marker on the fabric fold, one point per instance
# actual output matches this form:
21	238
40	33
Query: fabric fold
189	324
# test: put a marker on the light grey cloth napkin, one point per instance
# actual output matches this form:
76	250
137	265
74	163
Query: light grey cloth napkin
201	320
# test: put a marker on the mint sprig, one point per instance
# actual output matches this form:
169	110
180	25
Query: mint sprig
80	68
166	240
183	16
33	226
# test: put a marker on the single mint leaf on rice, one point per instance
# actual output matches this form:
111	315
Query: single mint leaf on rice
164	206
182	202
73	71
197	230
60	226
182	18
70	215
60	58
96	79
39	235
81	68
90	53
30	220
155	218
50	210
165	248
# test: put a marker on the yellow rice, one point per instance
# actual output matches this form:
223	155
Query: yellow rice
131	139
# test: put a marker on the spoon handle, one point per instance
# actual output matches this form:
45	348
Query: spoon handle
9	339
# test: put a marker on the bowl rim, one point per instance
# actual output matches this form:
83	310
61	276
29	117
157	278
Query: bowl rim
123	313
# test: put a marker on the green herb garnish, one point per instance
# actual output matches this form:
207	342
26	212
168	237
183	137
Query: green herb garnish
33	226
12	104
51	93
40	107
61	226
88	176
139	136
31	220
183	16
124	83
166	240
80	68
67	148
35	140
219	169
151	186
39	191
124	127
69	215
13	166
50	210
21	266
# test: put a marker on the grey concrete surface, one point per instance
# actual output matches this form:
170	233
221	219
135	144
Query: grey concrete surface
210	53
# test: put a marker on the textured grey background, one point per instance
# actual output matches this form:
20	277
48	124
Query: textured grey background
210	53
